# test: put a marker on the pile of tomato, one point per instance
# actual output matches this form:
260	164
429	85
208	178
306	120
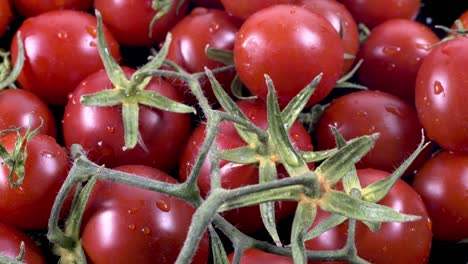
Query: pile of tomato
386	67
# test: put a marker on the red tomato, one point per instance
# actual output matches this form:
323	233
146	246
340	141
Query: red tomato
248	219
134	29
394	242
339	17
293	48
374	12
392	55
60	50
443	184
440	94
6	15
366	112
125	224
190	37
10	242
28	8
28	206
255	256
244	8
101	133
20	108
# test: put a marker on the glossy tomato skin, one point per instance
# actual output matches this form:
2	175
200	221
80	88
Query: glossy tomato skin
190	38
60	50
10	242
6	15
20	108
394	242
374	12
134	31
337	14
101	131
28	8
255	256
367	112
443	183
440	94
28	206
248	219
137	226
292	49
392	55
245	8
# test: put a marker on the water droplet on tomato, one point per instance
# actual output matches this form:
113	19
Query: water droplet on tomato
110	129
438	88
70	95
423	46
92	44
92	31
391	67
213	27
146	230
393	109
296	137
62	35
362	113
390	50
131	226
133	210
47	154
163	206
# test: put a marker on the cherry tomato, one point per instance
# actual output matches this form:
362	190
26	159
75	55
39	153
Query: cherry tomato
248	219
191	36
134	29
28	206
244	8
367	112
443	184
293	48
374	12
60	50
20	108
342	20
392	55
10	242
440	92
6	15
137	226
255	256
28	8
100	130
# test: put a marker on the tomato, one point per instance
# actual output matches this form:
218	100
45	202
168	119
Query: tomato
28	8
374	12
248	219
6	15
134	30
101	133
60	50
394	242
255	256
443	184
292	49
190	37
137	226
20	108
244	8
10	242
392	55
339	17
367	112
440	94
463	19
28	206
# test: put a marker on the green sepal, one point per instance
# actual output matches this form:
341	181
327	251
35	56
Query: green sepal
237	88
303	219
130	114
217	248
291	112
223	56
161	7
290	158
155	100
336	167
109	97
18	259
327	224
268	173
156	61
340	203
240	155
6	81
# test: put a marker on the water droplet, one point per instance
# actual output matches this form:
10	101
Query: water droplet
92	44
391	67
213	27
47	154
92	31
133	210
390	50
62	35
145	230
296	137
394	110
104	149
371	130
362	113
163	206
423	46
110	129
131	226
70	95
438	88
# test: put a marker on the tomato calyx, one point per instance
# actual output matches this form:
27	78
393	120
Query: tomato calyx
8	76
161	7
130	93
18	259
459	31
